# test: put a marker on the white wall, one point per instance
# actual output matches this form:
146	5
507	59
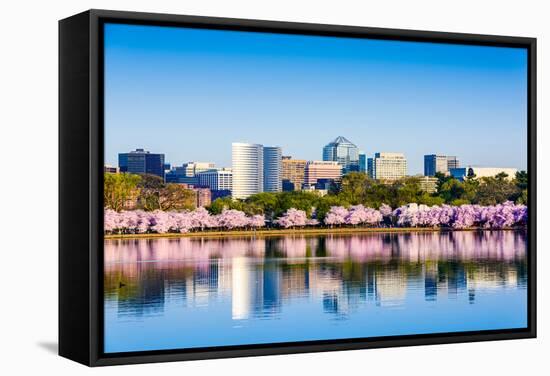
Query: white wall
28	144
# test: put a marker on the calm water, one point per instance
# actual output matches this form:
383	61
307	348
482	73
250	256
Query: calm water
183	293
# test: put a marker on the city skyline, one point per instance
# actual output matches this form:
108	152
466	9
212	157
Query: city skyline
284	89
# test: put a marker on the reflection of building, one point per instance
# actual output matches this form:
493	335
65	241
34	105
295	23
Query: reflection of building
248	169
293	172
141	161
428	183
272	169
316	170
481	172
343	151
257	277
391	286
246	289
387	166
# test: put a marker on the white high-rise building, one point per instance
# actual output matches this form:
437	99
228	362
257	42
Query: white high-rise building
272	169
217	180
248	169
387	166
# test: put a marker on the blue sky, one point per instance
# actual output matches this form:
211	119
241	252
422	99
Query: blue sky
189	93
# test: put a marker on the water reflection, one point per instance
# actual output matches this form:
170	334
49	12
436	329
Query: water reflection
258	279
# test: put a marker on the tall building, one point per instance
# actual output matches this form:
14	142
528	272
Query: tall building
362	162
434	163
387	166
316	170
141	161
248	169
370	167
217	180
293	172
343	151
452	162
272	169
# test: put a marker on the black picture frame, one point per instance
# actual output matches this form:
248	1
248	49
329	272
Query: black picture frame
81	172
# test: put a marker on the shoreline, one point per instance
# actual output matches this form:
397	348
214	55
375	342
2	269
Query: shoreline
303	231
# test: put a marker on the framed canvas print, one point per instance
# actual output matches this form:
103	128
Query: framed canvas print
238	187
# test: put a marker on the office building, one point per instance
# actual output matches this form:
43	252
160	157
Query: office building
314	189
482	172
203	196
111	169
452	162
216	180
434	163
343	151
179	175
316	170
293	173
141	161
428	183
193	168
272	169
248	169
362	162
387	166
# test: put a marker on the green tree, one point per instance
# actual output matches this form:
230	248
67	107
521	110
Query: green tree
326	202
495	190
176	197
430	200
408	190
150	188
220	204
521	180
441	179
267	202
453	190
118	189
522	199
354	187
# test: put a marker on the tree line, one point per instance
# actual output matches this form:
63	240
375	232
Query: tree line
357	188
145	192
149	193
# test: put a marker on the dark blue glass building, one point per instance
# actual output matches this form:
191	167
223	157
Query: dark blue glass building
141	161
